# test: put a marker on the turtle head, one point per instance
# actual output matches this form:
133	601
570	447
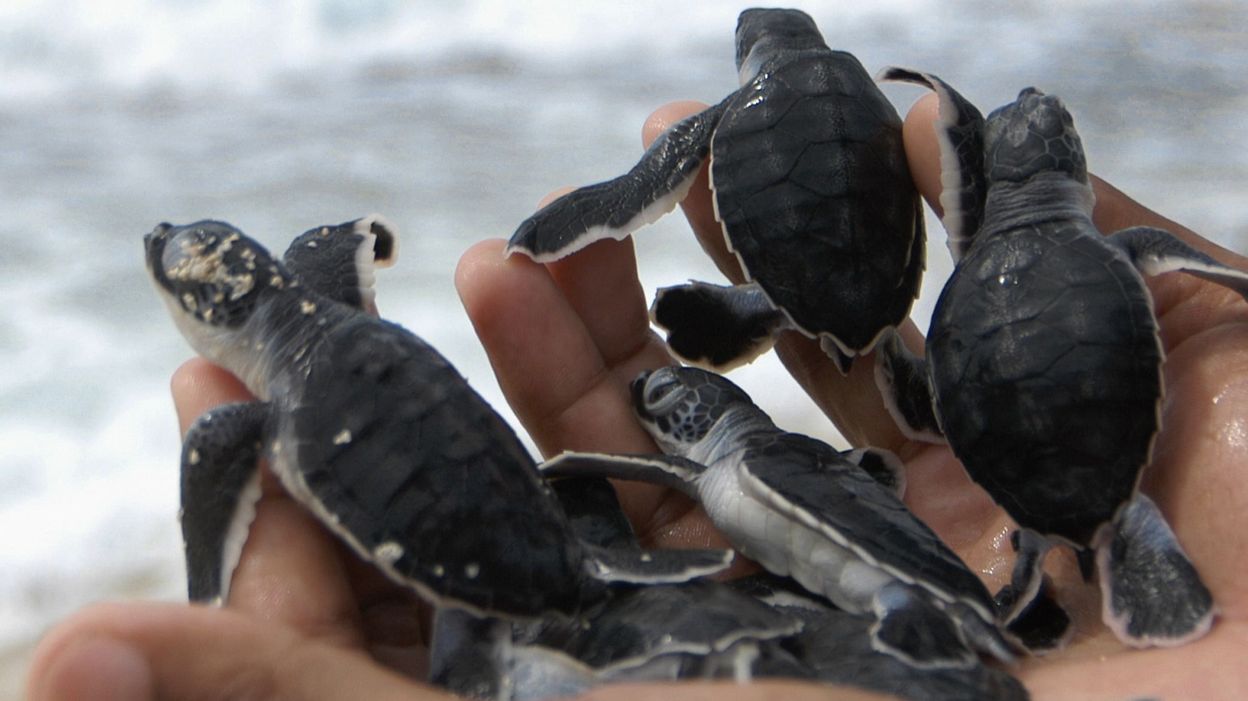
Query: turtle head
209	272
680	406
762	33
1035	134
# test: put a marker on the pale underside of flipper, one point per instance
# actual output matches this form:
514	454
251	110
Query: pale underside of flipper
615	208
220	488
339	261
959	133
1156	251
1151	592
717	327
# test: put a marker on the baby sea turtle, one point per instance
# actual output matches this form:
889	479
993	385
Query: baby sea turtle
800	508
836	647
369	428
810	183
1043	364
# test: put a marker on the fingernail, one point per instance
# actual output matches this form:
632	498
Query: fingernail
95	669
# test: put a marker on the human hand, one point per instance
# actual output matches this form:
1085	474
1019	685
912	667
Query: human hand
1192	478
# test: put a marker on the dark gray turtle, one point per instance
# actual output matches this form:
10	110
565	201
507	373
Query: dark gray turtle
800	508
659	632
836	646
810	183
368	427
1043	365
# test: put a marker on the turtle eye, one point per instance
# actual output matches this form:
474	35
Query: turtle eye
662	393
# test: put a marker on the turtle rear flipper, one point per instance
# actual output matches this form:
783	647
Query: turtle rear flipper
1043	625
617	207
1156	251
717	327
220	488
911	628
959	133
903	381
1151	592
339	261
883	465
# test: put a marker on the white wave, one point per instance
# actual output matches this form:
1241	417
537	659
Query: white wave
52	48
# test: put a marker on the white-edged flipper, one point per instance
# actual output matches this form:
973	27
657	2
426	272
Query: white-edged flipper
1157	251
910	627
617	207
959	132
668	566
1151	592
666	470
903	382
718	327
339	261
1025	579
220	488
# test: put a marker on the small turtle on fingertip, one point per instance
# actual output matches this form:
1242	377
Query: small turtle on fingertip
800	508
1043	360
370	429
811	185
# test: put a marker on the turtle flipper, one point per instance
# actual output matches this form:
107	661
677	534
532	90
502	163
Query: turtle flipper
616	208
883	466
1043	625
902	379
664	470
220	488
1151	592
1026	577
959	132
338	261
637	566
1156	251
717	327
911	628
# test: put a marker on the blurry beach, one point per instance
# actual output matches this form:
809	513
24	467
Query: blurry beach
452	120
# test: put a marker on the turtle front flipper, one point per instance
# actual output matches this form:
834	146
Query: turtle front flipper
339	261
220	488
959	132
611	547
902	378
1151	592
1155	251
617	207
717	327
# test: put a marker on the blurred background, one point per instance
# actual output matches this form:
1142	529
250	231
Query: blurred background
452	120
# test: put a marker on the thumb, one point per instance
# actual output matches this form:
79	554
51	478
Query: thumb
158	651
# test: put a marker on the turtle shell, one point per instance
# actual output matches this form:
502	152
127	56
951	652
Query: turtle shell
1045	359
417	472
811	185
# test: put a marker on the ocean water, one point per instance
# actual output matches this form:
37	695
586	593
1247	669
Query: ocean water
452	120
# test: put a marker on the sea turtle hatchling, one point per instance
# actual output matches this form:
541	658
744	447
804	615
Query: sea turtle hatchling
369	428
800	508
812	188
1043	363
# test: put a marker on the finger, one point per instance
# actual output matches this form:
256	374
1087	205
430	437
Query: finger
570	392
290	571
151	651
